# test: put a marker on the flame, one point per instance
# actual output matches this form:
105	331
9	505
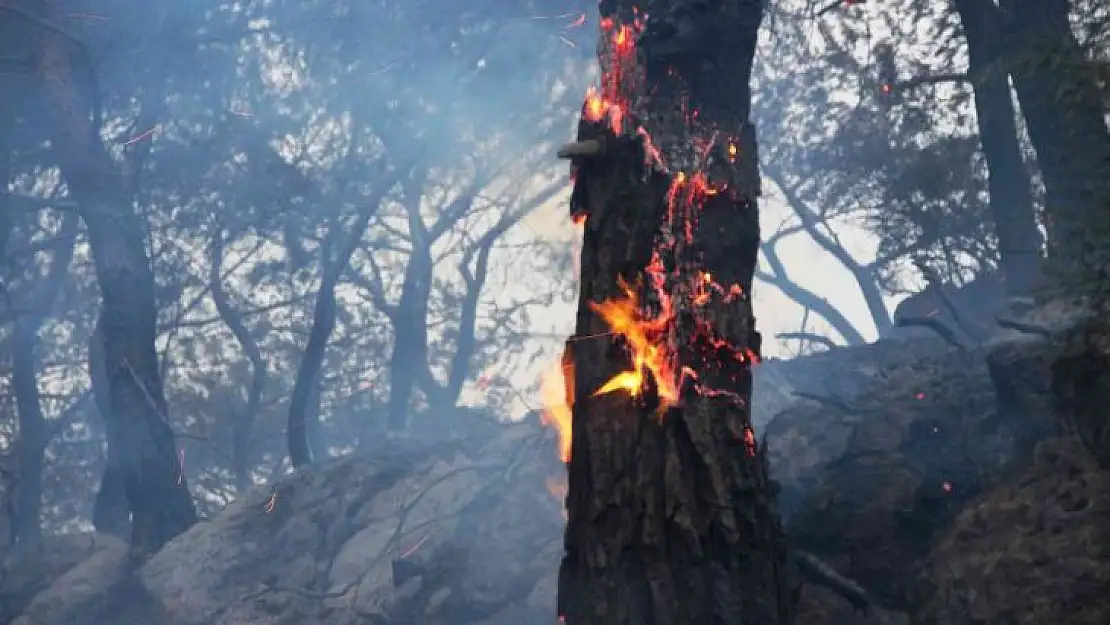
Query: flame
558	489
557	393
644	335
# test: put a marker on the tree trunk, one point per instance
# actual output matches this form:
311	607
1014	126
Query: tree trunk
242	423
300	411
409	361
111	512
157	493
1067	127
306	387
671	513
1011	192
34	432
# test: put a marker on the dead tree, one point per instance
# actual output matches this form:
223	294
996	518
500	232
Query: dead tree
671	513
157	493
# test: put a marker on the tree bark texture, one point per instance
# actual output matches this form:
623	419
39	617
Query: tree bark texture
1067	126
157	492
1011	189
671	513
111	512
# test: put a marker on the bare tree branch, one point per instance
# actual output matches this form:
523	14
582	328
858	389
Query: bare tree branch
806	298
864	275
807	337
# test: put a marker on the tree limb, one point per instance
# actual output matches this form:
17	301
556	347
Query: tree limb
807	337
806	298
864	276
936	325
932	79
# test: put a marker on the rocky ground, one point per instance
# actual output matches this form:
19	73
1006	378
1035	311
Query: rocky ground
955	485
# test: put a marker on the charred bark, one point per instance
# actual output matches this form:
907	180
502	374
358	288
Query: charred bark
671	513
1011	189
111	512
1067	126
157	494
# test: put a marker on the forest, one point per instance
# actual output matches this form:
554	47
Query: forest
637	312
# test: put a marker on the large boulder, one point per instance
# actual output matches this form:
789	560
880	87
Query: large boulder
26	574
411	533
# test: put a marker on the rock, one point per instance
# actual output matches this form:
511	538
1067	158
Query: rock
1035	551
26	574
819	606
326	543
89	593
1081	383
1020	367
893	465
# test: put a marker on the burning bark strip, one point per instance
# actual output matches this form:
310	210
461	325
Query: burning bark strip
670	519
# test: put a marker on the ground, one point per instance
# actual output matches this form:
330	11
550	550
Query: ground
951	484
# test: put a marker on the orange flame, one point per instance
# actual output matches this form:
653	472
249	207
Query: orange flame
646	340
557	394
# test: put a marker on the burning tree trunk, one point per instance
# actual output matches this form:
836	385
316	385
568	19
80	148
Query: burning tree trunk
157	493
671	514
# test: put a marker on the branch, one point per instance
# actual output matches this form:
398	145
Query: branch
30	203
836	4
590	148
806	298
835	402
1023	327
932	79
820	573
807	336
864	277
936	325
933	279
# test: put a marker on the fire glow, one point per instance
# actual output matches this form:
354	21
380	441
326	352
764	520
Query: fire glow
644	314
